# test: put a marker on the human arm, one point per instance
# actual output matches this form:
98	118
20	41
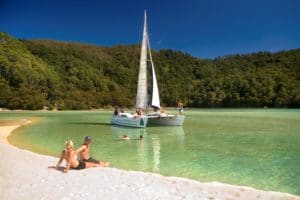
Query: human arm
60	159
69	160
80	149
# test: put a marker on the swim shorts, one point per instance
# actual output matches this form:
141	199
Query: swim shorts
80	166
92	160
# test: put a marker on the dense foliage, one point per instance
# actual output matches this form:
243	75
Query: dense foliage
38	73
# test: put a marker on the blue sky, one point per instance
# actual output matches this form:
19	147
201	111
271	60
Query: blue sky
205	29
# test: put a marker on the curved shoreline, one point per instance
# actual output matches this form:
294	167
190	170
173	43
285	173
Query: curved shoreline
26	175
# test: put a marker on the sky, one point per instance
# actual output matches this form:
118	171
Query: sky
202	28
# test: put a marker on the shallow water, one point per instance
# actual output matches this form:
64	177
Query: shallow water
252	147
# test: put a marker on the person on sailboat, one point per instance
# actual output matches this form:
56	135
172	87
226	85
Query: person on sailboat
180	107
139	112
84	153
162	112
116	112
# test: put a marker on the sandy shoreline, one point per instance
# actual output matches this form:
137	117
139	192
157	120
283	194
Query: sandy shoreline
26	175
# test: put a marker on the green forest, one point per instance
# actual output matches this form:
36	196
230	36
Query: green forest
68	76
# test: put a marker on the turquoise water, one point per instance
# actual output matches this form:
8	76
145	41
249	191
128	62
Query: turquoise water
252	147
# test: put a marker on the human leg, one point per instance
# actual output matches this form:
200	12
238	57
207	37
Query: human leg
104	164
99	163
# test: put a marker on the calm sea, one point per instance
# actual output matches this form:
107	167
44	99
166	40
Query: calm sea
251	147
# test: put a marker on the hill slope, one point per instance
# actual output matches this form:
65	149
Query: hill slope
34	73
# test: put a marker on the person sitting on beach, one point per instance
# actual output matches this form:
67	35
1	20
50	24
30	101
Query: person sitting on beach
84	153
71	158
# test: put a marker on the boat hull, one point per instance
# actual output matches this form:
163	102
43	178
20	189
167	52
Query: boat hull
168	120
130	121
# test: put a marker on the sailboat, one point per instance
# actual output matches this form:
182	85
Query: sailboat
140	120
160	119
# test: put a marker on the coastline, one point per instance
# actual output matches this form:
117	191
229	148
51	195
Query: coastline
26	175
8	126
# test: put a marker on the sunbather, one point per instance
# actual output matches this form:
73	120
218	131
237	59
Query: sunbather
84	153
71	158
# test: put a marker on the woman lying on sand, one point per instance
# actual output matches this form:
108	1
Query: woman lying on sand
71	158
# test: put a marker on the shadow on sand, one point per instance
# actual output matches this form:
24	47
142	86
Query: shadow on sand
60	168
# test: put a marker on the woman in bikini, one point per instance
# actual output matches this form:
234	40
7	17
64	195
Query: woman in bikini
70	156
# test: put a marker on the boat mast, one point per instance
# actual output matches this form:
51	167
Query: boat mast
142	97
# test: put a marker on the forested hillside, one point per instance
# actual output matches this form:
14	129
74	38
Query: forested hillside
38	73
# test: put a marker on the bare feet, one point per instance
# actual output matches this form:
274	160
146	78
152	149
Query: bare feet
104	164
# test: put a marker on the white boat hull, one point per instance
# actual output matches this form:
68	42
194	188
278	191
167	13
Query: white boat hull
126	119
167	120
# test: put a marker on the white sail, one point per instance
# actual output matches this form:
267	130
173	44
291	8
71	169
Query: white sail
155	94
127	119
142	97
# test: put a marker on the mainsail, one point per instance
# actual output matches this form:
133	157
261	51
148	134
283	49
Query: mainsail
142	97
155	103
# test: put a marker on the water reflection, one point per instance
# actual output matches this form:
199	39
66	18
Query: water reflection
142	155
141	144
177	132
173	133
133	133
148	151
162	139
156	153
